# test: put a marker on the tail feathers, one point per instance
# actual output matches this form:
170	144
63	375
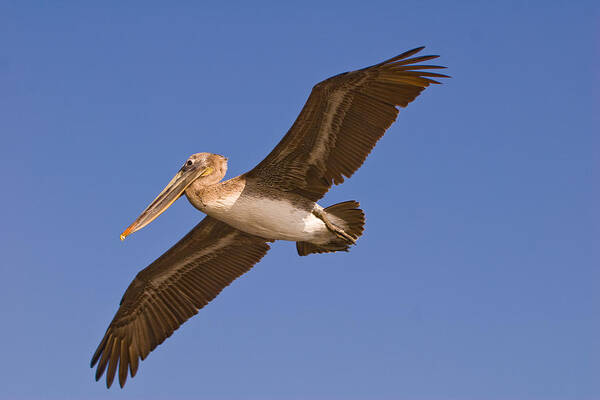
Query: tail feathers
346	216
353	218
306	248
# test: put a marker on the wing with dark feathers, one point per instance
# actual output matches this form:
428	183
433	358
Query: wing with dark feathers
340	123
172	289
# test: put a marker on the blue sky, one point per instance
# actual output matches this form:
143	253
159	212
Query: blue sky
477	276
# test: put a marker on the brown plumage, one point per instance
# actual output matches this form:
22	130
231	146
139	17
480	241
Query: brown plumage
172	289
353	217
339	125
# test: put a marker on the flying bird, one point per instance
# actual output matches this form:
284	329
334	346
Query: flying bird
338	126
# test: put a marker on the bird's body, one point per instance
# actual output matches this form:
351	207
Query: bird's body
341	122
260	210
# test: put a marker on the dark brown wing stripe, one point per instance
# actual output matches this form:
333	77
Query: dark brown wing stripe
171	290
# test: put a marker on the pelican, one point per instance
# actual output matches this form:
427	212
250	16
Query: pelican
340	123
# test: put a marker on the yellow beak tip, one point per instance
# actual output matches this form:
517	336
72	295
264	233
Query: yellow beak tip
122	237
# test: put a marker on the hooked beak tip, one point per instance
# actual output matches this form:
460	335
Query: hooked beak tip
125	233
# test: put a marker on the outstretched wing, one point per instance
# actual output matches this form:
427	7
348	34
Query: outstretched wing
340	123
172	289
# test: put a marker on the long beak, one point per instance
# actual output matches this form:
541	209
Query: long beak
170	193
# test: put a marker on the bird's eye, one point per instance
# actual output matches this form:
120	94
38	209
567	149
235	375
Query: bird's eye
189	162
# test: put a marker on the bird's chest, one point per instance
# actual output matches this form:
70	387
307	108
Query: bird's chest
266	217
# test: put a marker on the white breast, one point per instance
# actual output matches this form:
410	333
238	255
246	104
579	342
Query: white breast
268	218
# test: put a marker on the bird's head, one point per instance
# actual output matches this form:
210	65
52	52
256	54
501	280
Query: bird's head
202	169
